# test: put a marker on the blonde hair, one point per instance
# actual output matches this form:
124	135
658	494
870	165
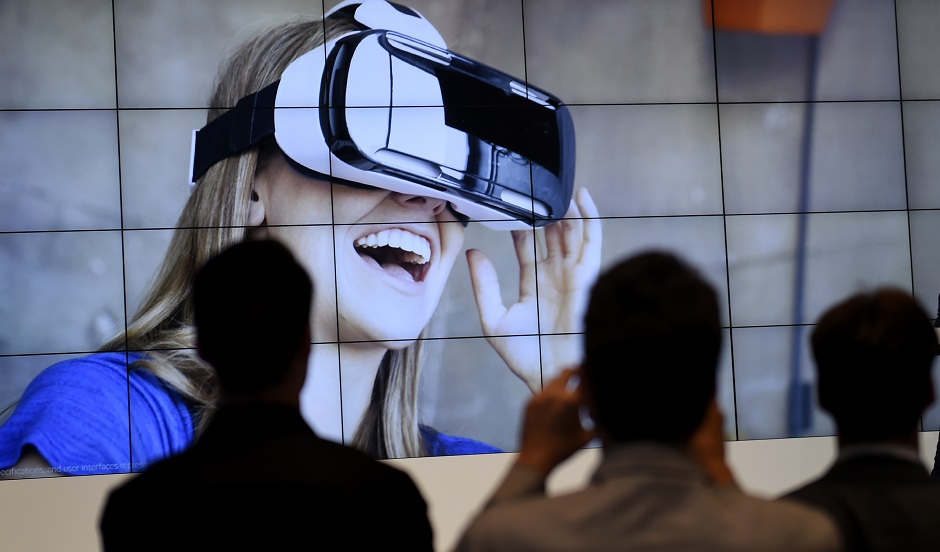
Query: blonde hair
214	218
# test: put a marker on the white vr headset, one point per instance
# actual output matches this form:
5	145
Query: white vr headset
390	107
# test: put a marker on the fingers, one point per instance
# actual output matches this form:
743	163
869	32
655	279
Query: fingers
566	388
563	239
486	290
567	381
552	429
573	231
707	446
590	253
586	205
577	237
522	241
554	244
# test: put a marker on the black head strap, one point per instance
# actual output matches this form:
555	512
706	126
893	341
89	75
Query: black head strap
237	130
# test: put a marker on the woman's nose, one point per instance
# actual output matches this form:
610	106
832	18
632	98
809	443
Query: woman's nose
421	203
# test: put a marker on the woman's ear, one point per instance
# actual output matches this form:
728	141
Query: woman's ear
255	210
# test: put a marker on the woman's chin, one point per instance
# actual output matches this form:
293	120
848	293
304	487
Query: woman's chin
390	322
387	340
398	344
377	347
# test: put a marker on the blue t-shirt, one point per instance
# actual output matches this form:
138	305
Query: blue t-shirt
91	415
441	444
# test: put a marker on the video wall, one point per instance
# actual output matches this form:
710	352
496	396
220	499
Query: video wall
792	169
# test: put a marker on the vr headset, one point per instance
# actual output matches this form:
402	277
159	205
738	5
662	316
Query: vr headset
390	107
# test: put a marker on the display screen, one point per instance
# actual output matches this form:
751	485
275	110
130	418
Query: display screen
792	169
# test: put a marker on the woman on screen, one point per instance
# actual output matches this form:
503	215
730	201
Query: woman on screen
377	226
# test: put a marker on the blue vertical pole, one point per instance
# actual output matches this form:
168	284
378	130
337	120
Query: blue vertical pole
800	411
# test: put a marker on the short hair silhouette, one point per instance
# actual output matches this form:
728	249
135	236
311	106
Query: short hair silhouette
652	337
252	309
873	356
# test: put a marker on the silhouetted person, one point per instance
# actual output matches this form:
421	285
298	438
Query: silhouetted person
258	478
873	356
651	345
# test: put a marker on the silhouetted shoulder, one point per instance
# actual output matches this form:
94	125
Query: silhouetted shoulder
263	478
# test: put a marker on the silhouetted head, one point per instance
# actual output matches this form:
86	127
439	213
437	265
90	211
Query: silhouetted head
873	357
252	314
652	337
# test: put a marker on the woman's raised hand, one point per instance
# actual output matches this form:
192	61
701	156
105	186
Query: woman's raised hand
561	270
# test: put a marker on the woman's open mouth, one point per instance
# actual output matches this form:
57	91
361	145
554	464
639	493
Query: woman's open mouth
399	252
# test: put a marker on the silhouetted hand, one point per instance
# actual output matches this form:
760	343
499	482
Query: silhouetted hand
552	428
707	446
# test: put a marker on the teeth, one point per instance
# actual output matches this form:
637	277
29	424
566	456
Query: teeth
417	249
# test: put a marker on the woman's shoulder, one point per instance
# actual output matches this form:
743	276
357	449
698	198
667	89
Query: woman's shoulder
79	412
98	369
100	365
104	382
442	444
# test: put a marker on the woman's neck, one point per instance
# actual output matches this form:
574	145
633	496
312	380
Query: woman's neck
349	367
359	363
